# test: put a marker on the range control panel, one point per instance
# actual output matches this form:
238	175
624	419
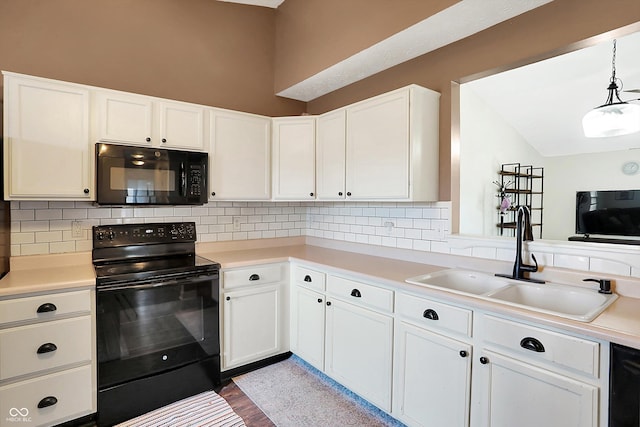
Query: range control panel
139	234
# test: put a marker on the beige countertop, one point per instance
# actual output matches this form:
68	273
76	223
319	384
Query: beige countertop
620	323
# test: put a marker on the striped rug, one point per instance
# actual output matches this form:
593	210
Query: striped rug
204	409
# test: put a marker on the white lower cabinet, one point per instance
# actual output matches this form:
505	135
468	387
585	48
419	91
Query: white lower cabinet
307	338
529	376
514	393
47	369
254	314
359	350
432	372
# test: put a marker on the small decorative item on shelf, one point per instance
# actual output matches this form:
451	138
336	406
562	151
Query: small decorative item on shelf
505	201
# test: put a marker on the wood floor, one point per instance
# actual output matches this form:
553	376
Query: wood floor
243	406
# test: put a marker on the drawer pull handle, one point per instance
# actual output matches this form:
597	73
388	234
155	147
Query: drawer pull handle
463	353
307	278
47	307
254	277
532	344
356	293
47	348
430	314
484	360
47	401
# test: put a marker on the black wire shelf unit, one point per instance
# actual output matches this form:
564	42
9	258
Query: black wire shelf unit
523	185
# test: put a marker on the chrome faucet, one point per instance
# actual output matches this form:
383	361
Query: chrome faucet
524	232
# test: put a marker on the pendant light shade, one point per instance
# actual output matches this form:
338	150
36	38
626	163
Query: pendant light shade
615	117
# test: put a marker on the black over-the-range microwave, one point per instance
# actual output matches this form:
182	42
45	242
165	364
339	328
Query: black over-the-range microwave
128	175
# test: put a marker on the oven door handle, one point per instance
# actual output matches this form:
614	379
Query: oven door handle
152	285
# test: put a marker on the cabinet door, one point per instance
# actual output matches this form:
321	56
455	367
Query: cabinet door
47	146
378	148
432	378
294	158
513	393
307	338
252	325
239	155
124	118
181	125
358	351
330	155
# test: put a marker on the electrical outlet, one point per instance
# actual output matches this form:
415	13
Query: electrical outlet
236	223
76	229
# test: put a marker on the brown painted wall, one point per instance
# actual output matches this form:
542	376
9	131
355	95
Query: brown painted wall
556	27
201	51
312	35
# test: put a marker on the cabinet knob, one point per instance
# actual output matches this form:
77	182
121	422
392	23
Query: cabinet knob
47	348
348	193
228	298
47	308
339	193
484	360
430	314
254	277
147	139
311	194
319	300
307	278
86	191
213	193
356	293
164	140
463	353
47	401
328	302
530	343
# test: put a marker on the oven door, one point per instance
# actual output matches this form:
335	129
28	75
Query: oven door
149	328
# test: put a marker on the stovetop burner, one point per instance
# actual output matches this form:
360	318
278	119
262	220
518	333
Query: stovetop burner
135	253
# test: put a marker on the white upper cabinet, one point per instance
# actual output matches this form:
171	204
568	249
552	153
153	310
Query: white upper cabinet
330	155
239	155
392	146
47	150
142	120
294	158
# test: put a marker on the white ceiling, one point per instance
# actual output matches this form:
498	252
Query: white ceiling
452	24
545	101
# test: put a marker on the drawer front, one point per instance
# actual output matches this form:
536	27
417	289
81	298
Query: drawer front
309	278
60	343
257	275
72	390
361	293
546	346
44	307
434	315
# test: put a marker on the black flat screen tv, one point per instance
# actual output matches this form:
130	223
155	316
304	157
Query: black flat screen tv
609	213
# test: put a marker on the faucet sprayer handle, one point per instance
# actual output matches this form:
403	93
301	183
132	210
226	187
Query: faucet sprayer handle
530	268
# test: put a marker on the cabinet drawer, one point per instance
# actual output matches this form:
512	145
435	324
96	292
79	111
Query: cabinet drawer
361	293
309	278
434	315
257	275
44	307
546	346
72	390
61	342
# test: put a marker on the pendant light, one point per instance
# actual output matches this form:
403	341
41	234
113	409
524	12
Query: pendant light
615	117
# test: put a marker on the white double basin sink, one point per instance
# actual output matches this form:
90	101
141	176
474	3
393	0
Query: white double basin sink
572	302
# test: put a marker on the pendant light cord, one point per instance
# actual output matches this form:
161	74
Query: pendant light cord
613	63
